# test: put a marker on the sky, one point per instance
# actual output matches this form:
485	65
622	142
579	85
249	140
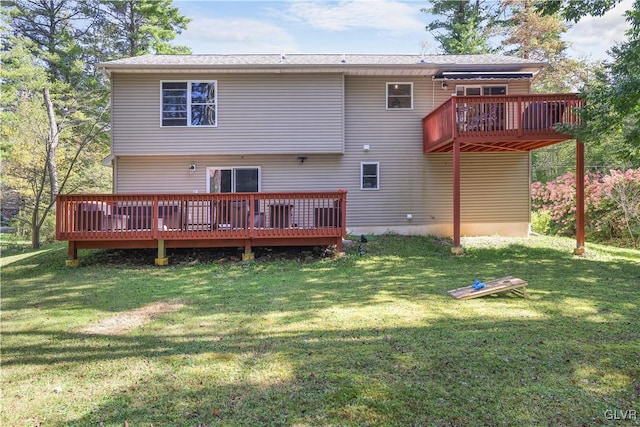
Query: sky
349	26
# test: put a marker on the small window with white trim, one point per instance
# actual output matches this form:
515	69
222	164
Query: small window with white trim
399	96
370	176
189	103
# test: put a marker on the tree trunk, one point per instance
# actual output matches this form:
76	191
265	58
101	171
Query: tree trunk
133	30
53	144
35	228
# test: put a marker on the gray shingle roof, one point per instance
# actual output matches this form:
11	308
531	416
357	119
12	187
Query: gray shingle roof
315	60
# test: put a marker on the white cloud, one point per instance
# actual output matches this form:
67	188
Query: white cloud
390	16
593	36
236	35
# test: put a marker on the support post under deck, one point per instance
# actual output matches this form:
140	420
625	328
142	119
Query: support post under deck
456	249
162	254
72	255
248	255
579	250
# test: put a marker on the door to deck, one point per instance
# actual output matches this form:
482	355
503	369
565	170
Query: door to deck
483	116
236	213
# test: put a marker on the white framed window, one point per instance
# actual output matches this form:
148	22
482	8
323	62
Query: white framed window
241	179
370	175
399	96
188	103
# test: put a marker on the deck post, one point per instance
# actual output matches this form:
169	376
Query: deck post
518	118
454	115
579	250
456	249
248	255
162	254
72	255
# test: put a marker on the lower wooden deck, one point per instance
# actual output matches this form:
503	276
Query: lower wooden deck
165	221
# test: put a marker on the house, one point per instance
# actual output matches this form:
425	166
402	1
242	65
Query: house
426	144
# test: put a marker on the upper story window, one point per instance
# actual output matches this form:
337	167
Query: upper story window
189	103
399	95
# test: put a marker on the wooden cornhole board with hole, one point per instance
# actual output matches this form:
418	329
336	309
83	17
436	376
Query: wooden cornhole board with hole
509	283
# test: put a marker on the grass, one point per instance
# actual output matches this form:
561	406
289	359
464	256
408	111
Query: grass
360	340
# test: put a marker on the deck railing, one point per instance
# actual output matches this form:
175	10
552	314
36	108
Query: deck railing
499	116
86	217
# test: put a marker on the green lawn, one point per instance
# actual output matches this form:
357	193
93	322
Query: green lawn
359	340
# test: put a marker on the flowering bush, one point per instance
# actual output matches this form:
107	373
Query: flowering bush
612	204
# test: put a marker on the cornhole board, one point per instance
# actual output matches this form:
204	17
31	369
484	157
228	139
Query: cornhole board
504	284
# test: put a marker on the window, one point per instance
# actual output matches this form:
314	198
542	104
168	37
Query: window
369	176
233	180
189	103
399	95
475	90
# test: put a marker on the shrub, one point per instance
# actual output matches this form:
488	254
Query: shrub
612	204
540	222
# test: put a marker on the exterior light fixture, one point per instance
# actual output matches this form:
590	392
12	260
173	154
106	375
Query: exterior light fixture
192	168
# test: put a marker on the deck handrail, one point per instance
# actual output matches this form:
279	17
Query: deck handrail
499	116
190	216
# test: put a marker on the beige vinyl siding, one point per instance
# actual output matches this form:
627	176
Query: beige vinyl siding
495	187
257	113
394	137
170	174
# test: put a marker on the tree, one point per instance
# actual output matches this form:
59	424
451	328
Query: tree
137	27
51	26
36	142
48	25
613	97
574	10
467	25
50	122
532	35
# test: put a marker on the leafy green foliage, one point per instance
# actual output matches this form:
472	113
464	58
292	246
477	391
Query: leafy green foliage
613	97
540	222
574	10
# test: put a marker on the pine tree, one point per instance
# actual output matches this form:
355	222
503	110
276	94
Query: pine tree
465	26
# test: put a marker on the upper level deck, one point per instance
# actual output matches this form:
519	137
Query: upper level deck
500	122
